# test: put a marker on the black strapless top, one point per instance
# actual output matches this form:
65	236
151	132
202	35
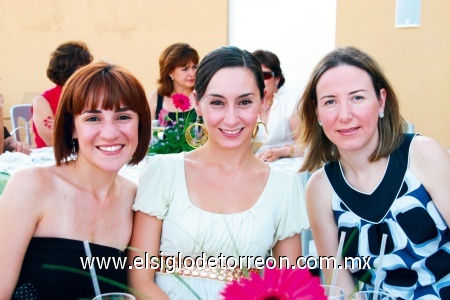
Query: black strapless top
52	269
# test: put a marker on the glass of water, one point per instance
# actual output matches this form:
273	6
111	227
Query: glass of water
334	292
370	295
115	296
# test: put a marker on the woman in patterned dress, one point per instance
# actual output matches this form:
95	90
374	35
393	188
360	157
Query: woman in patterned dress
376	180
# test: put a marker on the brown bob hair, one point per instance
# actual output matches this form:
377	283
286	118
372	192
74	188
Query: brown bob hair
311	135
104	84
176	55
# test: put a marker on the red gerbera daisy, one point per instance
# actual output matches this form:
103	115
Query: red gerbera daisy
181	101
277	284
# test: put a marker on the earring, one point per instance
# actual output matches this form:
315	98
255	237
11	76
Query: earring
74	153
196	134
258	140
381	114
171	78
276	85
320	124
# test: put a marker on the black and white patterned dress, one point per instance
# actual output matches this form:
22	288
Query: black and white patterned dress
416	264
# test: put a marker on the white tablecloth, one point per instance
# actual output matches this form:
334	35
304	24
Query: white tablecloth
13	161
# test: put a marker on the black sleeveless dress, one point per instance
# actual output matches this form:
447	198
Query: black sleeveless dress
416	263
52	269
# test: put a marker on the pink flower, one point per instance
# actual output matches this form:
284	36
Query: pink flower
163	117
181	101
277	284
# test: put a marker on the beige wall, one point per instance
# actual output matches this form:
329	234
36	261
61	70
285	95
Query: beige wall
416	60
131	33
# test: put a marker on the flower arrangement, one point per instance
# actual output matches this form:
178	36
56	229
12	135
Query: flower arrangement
277	284
172	139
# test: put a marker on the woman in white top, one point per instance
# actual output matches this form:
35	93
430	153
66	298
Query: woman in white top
281	123
199	203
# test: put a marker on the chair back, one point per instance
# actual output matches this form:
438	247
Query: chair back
21	111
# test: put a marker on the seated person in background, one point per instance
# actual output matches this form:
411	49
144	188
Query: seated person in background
12	145
7	142
199	201
281	123
101	124
376	180
64	61
177	68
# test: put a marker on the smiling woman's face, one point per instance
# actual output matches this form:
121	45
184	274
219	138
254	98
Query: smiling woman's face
348	108
106	138
230	107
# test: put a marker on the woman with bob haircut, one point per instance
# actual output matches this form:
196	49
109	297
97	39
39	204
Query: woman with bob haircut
101	125
177	68
198	202
377	181
64	61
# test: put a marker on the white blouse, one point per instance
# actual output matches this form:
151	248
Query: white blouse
280	212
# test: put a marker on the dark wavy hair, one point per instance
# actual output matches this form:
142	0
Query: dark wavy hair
176	55
106	84
270	60
227	57
390	128
66	59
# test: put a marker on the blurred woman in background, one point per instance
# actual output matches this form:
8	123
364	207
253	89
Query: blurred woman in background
177	68
281	123
64	61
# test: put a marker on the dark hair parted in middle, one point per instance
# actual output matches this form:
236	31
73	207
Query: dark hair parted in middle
106	86
270	60
390	128
227	57
66	59
176	55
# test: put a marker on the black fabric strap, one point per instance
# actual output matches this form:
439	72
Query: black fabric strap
159	104
375	206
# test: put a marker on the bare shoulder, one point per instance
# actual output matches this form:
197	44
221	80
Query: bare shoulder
26	184
425	151
430	162
127	188
318	189
153	96
318	182
127	184
40	101
32	176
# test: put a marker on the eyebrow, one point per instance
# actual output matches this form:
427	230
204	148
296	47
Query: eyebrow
220	96
97	111
357	91
351	93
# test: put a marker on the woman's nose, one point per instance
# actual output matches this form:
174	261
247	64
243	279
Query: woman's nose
231	116
109	130
345	113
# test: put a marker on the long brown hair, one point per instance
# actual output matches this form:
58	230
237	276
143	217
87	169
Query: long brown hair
319	148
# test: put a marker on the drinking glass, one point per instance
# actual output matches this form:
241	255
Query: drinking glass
369	295
115	296
334	292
